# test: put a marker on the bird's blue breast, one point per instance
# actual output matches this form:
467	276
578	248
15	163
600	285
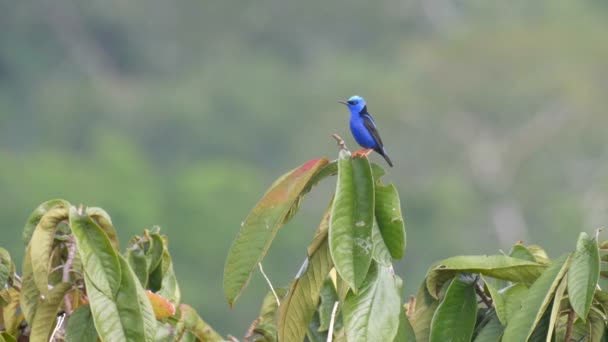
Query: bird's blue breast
360	132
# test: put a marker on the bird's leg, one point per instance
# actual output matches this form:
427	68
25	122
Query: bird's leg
358	152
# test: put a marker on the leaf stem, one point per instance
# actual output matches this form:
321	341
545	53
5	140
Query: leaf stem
330	332
481	293
269	284
66	272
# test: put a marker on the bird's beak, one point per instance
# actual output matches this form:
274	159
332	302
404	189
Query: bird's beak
343	102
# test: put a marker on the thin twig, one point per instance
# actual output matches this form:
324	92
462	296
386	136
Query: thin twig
340	142
251	329
58	326
569	325
269	284
66	272
481	293
411	307
330	332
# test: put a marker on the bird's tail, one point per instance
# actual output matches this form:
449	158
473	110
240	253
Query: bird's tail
388	160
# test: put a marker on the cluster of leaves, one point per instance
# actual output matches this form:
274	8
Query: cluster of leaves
346	286
346	289
77	286
524	296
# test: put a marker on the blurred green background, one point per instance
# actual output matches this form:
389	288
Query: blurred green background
181	113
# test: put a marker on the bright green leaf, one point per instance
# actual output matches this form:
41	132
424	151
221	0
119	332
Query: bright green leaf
390	220
513	296
583	275
497	300
46	313
99	258
539	296
261	226
373	313
496	266
352	217
455	317
80	327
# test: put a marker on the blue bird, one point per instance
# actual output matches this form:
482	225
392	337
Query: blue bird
363	128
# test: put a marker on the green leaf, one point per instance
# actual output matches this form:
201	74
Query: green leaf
128	316
491	331
266	324
195	324
423	314
405	333
513	296
455	317
539	296
37	214
104	221
373	313
583	275
137	260
381	253
99	258
7	268
497	300
30	295
496	266
597	324
6	337
10	312
299	305
41	245
328	297
261	226
80	327
169	287
352	217
556	308
46	313
390	220
522	252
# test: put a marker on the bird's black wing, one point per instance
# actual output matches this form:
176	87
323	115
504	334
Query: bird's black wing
371	128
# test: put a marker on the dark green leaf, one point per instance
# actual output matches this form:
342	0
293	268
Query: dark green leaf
261	226
80	327
455	317
491	331
381	254
352	217
423	314
41	245
557	305
583	275
37	214
390	220
328	297
405	333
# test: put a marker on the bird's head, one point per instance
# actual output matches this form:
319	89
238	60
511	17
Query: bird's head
355	103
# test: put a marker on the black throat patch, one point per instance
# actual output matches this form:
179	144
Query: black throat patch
363	111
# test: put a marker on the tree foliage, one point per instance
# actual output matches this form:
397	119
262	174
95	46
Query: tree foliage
77	285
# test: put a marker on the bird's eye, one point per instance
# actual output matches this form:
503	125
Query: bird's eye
352	102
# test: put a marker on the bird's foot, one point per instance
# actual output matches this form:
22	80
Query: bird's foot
358	152
362	152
